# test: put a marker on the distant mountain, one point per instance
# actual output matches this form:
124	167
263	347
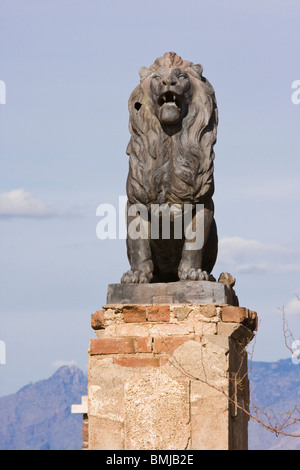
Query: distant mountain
38	416
275	387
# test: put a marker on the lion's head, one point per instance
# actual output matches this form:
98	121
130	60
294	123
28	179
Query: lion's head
171	94
173	125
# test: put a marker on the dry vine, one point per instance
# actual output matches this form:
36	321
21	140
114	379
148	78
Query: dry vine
276	423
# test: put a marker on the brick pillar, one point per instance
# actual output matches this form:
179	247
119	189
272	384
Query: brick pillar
165	377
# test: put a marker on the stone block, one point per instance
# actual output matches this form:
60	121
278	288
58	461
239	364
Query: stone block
209	418
106	381
209	311
100	439
188	292
127	329
205	328
157	412
171	329
111	316
236	331
181	313
206	361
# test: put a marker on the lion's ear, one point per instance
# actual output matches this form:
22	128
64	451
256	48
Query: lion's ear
196	70
144	72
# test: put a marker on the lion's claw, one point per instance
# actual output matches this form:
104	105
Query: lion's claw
194	275
136	277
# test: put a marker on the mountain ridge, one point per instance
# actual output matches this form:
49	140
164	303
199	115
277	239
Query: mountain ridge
38	416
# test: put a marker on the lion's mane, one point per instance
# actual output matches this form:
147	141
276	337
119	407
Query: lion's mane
176	168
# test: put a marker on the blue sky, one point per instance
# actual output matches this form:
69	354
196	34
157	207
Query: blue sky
69	68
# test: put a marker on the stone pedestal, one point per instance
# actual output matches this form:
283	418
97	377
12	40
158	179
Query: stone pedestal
169	376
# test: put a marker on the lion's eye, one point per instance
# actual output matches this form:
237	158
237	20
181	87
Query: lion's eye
181	77
156	77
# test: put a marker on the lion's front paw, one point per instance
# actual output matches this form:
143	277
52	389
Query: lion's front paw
136	277
194	275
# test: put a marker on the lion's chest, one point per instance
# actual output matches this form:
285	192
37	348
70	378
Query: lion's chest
168	175
167	181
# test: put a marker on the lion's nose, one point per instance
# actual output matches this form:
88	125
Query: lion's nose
171	81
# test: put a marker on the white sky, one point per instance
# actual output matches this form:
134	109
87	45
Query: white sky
69	67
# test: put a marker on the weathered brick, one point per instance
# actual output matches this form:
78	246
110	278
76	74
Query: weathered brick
134	313
124	345
169	344
97	320
137	361
158	313
233	314
239	315
144	344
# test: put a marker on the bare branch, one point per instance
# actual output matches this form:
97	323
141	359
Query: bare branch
276	423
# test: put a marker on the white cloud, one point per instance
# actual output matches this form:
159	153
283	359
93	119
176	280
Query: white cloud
293	307
20	203
233	249
240	245
252	256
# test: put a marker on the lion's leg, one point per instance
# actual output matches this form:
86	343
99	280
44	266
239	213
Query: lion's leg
191	265
139	254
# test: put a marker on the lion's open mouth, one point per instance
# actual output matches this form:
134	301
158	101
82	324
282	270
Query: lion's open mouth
169	98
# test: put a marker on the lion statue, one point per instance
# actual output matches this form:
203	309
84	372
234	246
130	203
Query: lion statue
173	126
